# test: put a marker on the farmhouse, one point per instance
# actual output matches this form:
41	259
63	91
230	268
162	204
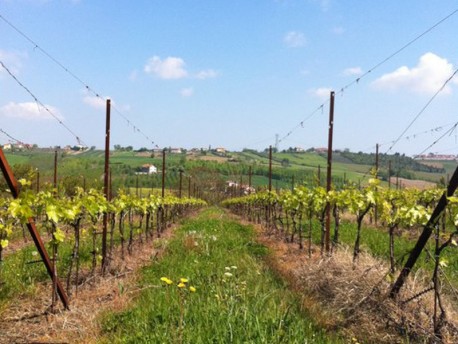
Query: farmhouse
147	169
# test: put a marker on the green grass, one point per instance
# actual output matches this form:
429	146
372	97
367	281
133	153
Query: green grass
238	299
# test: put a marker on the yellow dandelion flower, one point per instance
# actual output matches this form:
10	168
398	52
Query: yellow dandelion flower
181	285
166	280
192	289
184	280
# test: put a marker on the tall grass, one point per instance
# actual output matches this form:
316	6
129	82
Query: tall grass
237	298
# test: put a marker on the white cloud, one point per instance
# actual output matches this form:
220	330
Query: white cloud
294	39
427	77
29	111
187	92
352	71
169	68
207	74
322	92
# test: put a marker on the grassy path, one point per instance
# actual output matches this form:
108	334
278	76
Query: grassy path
237	299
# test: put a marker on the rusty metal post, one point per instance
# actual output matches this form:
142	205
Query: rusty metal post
110	186
55	172
376	160
106	186
181	183
389	174
376	177
270	168
425	235
163	173
329	173
38	181
12	184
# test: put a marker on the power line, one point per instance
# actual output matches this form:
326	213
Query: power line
405	46
428	103
11	137
415	135
450	131
74	76
41	104
389	57
301	124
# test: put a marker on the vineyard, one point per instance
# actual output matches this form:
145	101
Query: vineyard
367	221
199	199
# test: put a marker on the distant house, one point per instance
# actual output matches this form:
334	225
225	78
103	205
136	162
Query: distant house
321	150
220	150
147	169
299	150
176	150
7	146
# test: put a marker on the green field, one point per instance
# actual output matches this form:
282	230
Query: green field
74	168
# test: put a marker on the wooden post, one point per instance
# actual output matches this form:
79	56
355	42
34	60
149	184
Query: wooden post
389	174
376	177
106	186
55	172
38	181
181	182
163	173
270	168
12	184
423	239
189	187
249	178
329	173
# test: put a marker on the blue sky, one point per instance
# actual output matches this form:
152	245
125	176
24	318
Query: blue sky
230	73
